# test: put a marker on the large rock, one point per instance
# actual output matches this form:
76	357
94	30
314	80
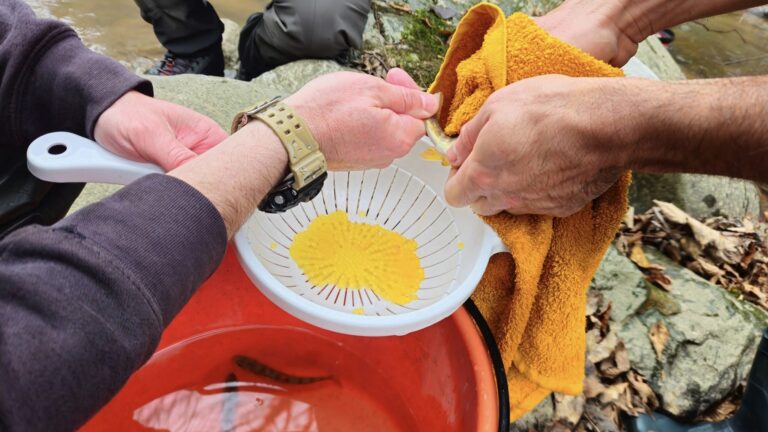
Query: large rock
659	60
698	195
291	77
536	419
712	335
229	41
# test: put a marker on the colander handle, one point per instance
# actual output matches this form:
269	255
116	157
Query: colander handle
497	246
63	157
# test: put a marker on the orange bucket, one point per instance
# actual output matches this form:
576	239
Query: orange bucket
442	378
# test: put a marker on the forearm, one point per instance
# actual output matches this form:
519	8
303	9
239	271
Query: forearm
83	303
611	29
643	18
238	173
50	80
705	126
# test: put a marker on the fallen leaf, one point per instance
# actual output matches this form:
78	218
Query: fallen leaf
629	218
600	348
645	393
638	257
593	387
613	393
616	365
723	248
659	336
705	268
658	277
569	408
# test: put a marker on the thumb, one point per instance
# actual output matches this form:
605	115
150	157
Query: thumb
169	153
409	101
463	146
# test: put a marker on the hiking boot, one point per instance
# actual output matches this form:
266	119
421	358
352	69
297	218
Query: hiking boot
204	64
752	415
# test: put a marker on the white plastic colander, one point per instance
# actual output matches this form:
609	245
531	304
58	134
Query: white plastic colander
454	246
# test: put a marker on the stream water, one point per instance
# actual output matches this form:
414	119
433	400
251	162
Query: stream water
115	28
733	44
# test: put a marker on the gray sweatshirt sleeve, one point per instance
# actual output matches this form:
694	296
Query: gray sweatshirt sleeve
83	303
49	81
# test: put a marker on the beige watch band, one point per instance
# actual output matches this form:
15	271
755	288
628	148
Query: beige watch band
305	160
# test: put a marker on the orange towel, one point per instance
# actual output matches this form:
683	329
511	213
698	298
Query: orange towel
534	298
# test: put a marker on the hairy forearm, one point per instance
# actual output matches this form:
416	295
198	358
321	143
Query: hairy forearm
238	173
642	18
715	127
610	30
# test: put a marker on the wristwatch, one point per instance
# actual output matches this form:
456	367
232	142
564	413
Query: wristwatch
306	162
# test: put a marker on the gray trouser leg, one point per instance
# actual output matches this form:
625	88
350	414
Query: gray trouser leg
184	27
295	29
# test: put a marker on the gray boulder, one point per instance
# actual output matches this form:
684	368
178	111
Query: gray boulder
229	41
698	195
218	98
712	335
290	77
536	419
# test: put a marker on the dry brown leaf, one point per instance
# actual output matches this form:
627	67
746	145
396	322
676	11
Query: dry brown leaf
691	247
629	218
645	393
703	267
617	365
593	387
600	348
672	213
659	336
658	277
638	257
569	408
723	248
720	412
614	393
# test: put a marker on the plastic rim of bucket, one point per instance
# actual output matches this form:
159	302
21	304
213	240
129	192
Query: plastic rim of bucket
500	374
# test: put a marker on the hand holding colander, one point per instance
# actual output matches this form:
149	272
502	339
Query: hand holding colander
453	244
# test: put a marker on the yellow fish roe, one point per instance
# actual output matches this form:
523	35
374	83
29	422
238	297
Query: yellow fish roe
431	154
336	251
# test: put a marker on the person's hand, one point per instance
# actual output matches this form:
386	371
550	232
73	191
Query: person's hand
598	27
144	129
361	121
545	145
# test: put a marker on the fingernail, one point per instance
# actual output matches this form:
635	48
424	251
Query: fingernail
451	155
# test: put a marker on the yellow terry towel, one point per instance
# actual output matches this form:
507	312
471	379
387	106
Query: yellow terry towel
534	298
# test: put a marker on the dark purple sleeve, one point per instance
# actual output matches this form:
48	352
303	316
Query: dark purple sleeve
83	302
49	81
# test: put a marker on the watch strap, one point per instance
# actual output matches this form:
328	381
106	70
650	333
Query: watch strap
305	160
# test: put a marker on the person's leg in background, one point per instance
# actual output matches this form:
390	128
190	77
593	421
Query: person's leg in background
190	31
290	30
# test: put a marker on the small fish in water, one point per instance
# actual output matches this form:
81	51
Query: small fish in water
257	368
